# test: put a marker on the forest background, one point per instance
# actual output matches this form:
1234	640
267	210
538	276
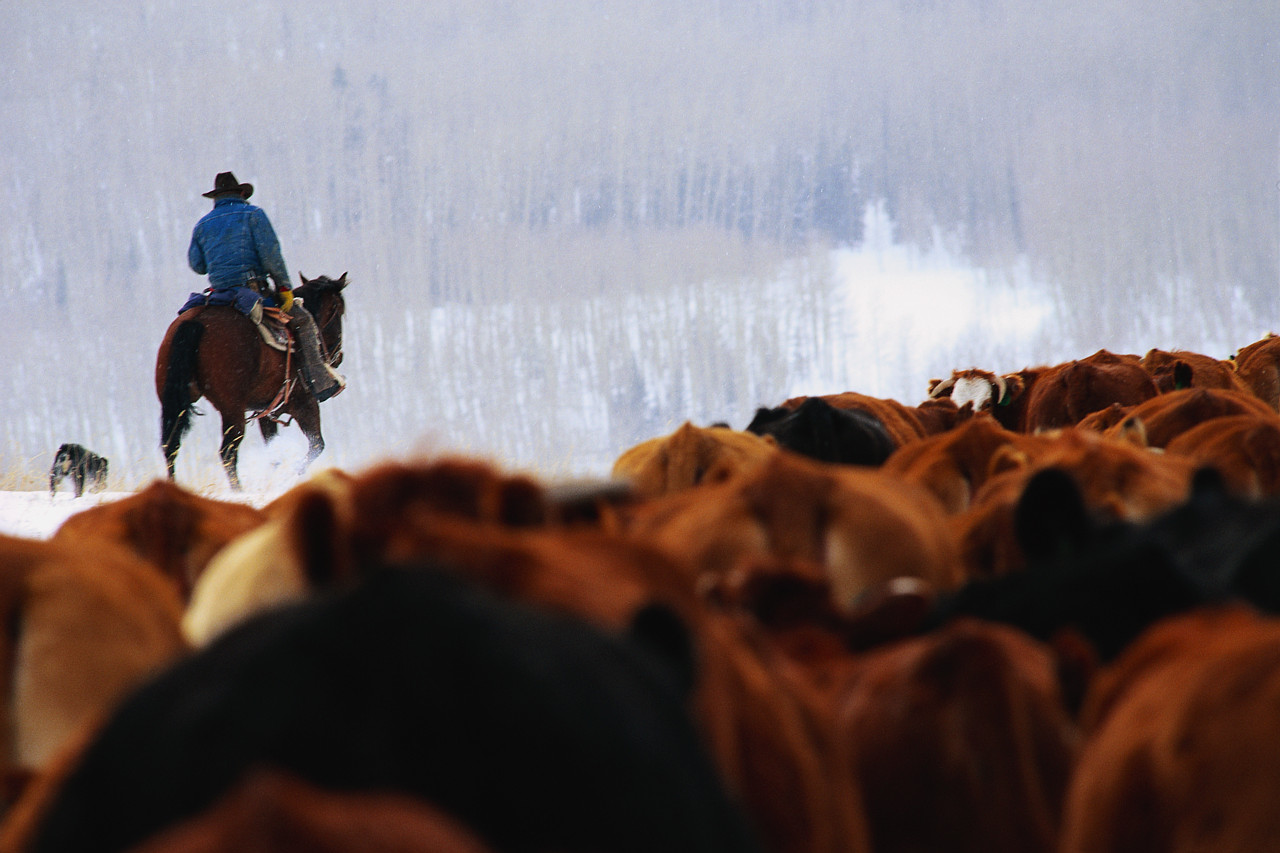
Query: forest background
571	225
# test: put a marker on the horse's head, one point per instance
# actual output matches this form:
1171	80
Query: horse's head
323	298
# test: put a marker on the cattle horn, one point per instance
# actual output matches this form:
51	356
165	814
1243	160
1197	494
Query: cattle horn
937	386
1002	387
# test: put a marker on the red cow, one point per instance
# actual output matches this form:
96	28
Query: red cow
1064	395
689	457
86	624
979	390
859	526
1178	369
175	530
1168	415
1258	366
1245	449
1119	481
961	741
956	464
1181	752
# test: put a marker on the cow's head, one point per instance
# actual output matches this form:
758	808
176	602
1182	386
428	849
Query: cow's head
982	389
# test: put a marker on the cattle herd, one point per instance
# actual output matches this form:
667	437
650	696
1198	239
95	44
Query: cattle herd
1035	612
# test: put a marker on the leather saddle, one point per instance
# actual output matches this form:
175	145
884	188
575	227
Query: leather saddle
270	322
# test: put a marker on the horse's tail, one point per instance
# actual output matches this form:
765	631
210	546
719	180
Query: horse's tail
175	396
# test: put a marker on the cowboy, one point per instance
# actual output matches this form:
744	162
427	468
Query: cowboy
235	245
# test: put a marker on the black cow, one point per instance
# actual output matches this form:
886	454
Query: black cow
82	465
820	431
535	730
1106	581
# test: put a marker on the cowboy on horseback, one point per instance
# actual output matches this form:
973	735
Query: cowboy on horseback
235	245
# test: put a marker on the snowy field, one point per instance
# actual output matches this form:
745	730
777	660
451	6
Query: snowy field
36	515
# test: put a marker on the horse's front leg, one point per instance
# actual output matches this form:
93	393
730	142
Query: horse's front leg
306	411
232	435
268	428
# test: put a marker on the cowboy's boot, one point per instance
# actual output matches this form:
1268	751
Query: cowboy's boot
322	380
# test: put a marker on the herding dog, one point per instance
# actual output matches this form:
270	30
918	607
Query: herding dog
81	465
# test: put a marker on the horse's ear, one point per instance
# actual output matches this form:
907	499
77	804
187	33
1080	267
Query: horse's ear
304	278
342	281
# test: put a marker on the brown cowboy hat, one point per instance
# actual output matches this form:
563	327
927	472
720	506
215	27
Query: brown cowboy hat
226	184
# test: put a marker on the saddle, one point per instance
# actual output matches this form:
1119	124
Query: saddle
274	328
269	321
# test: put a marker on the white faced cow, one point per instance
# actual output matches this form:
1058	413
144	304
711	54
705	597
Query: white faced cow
981	388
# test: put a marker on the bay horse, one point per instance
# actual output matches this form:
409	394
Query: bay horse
214	351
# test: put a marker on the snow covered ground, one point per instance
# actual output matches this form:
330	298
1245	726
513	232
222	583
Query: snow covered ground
36	515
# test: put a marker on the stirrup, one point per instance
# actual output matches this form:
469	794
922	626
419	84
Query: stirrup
339	384
328	393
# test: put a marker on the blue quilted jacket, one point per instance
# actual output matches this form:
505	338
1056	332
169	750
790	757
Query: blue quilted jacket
234	244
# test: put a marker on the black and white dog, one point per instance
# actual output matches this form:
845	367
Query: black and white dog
81	465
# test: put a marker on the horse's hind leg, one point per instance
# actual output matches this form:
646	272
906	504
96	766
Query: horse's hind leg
232	435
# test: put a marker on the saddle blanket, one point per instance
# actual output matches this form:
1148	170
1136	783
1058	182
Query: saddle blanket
250	303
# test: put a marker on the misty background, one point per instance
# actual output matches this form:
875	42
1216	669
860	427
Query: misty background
570	225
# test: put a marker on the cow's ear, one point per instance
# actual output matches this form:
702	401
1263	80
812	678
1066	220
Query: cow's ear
1014	385
657	629
1183	374
1051	517
320	541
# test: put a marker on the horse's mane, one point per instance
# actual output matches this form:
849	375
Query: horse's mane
324	284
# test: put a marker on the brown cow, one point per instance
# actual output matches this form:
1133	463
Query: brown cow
961	741
1003	396
1178	369
1245	449
1119	481
1104	419
175	530
270	565
978	390
1175	412
689	457
86	624
1181	752
1064	395
860	526
1258	366
955	465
